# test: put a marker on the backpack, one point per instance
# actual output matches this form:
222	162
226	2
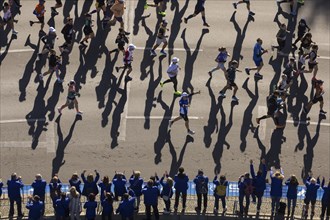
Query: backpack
220	190
248	189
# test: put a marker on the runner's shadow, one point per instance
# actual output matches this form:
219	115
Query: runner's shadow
79	21
247	123
190	60
138	15
212	123
4	53
58	160
176	162
53	100
163	127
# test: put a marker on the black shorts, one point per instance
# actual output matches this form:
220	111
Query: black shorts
198	10
184	116
246	1
317	99
68	40
271	111
87	30
307	201
41	19
121	46
100	5
311	65
157	1
232	83
128	65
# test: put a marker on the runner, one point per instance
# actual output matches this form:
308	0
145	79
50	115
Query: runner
121	40
128	59
318	97
88	31
305	45
302	30
118	10
247	2
49	41
281	39
292	12
184	104
39	11
221	60
71	98
100	4
271	106
312	63
160	4
54	63
199	8
172	72
58	4
230	76
8	18
258	51
288	73
161	38
68	34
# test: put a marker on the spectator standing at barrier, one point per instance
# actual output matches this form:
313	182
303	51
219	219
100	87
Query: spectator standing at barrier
35	207
119	183
167	192
105	187
325	200
107	206
259	182
15	185
75	181
90	207
155	179
62	207
126	206
74	205
39	188
151	194
201	186
220	192
291	194
136	183
181	187
55	186
90	183
276	188
245	186
312	185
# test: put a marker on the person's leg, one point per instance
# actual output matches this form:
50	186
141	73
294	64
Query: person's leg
294	203
277	204
156	212
240	200
259	202
315	69
289	206
224	205
189	17
235	90
273	204
205	201
260	67
11	208
164	45
175	83
187	125
76	105
214	69
177	195
19	207
167	204
148	212
204	18
199	200
129	71
216	203
155	46
328	210
184	200
247	200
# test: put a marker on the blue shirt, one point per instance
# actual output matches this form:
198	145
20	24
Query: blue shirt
222	57
14	189
104	187
184	106
35	209
1	185
90	207
181	183
136	185
119	185
150	195
257	51
126	207
62	207
39	188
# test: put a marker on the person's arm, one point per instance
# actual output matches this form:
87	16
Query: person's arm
194	93
282	172
252	169
322	184
83	176
97	176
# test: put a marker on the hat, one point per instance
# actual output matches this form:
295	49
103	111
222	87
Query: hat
52	30
319	81
165	22
72	82
184	94
175	60
131	46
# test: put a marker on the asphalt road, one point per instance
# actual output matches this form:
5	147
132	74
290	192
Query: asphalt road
124	127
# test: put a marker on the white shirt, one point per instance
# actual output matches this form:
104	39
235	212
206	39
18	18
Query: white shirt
173	69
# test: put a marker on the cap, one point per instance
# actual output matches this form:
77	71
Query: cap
72	82
52	30
175	60
319	81
131	46
234	62
184	94
165	22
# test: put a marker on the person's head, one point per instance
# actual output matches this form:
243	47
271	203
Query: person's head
234	63
246	176
36	198
169	181
175	60
41	2
14	176
119	175
278	175
90	178
293	179
200	172
137	174
73	191
150	183
69	20
292	60
125	196
38	176
315	47
63	195
106	179
52	30
121	30
131	47
313	181
259	41
276	93
302	22
184	96
5	6
319	82
91	197
55	179
222	49
52	51
164	23
72	83
283	26
222	178
181	169
308	35
284	77
74	176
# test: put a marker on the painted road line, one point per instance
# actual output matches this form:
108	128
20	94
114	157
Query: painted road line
169	49
308	123
22	120
297	55
262	110
50	138
18	51
159	117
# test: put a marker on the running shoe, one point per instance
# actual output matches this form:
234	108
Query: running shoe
14	32
251	13
210	73
223	95
128	78
162	13
59	110
235	5
153	53
177	93
322	112
234	99
31	23
258	75
247	71
79	113
185	20
206	25
161	84
117	69
146	6
162	52
191	132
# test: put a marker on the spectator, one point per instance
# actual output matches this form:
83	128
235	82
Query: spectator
201	183
151	194
291	194
90	207
220	192
39	188
136	183
105	186
55	186
15	185
325	199
74	205
107	206
126	206
35	207
181	187
259	182
1	185
311	193
155	179
62	207
245	186
276	188
90	183
167	192
119	183
75	181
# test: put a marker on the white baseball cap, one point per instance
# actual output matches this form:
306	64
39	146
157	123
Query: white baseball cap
131	46
184	94
175	59
52	30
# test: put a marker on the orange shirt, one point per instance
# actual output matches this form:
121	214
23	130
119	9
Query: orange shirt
40	10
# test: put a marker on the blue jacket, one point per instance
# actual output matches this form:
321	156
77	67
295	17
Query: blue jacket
167	189
150	195
276	185
39	188
119	185
14	189
136	185
1	185
104	187
259	181
311	189
35	209
126	207
75	183
90	187
90	207
181	183
107	207
242	185
62	207
292	189
201	183
326	193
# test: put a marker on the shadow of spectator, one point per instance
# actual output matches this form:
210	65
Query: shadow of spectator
276	141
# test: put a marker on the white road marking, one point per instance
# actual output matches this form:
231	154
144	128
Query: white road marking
21	120
18	51
160	117
297	55
262	110
171	49
307	123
